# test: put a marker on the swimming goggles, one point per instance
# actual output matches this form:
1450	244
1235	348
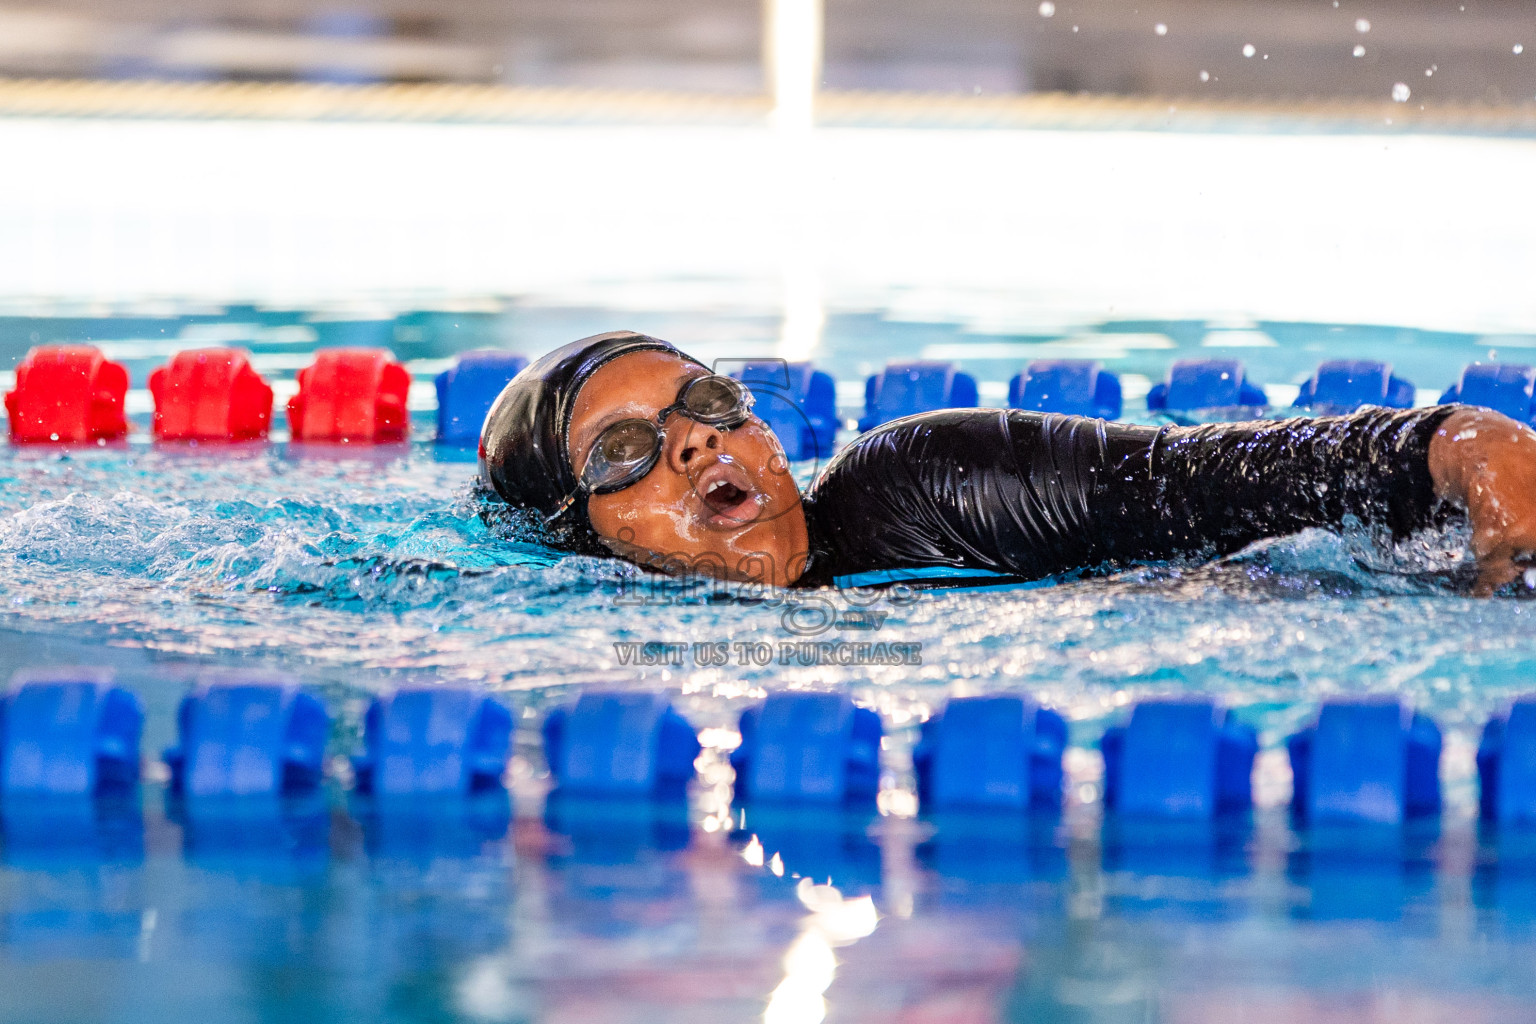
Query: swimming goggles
627	450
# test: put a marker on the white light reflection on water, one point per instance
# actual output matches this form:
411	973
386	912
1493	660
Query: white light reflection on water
810	964
808	969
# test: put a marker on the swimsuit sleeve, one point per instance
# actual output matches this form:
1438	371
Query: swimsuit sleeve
1030	495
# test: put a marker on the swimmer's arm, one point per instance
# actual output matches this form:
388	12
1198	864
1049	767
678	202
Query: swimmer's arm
1486	462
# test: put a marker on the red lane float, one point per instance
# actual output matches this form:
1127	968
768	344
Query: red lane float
210	394
69	394
351	394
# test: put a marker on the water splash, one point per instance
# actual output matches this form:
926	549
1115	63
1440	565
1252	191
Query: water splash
364	570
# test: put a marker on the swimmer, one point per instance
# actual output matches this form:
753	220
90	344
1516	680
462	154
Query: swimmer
622	445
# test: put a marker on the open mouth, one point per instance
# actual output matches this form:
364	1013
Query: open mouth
728	494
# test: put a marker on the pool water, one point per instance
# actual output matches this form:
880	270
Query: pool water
358	569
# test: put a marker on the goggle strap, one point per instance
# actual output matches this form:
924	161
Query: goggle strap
565	504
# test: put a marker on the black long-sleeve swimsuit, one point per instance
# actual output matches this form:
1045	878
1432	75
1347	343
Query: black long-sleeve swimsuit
997	495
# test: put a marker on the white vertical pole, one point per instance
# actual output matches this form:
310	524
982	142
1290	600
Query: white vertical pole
792	43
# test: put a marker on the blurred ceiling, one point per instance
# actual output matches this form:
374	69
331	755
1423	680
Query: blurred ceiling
1479	51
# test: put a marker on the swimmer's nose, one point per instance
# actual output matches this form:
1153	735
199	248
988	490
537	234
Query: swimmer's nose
686	441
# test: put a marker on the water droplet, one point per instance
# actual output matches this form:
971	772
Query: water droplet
1519	49
1359	50
1429	72
1205	76
1362	25
1249	50
1074	28
1401	92
1162	30
1047	8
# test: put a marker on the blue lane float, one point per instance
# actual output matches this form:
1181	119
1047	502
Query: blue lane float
1506	765
69	736
68	733
903	389
1179	759
466	390
1343	385
49	831
981	846
1503	387
1193	384
1216	848
248	736
620	744
999	752
267	836
798	401
818	842
441	825
809	748
433	740
616	830
1073	387
1367	761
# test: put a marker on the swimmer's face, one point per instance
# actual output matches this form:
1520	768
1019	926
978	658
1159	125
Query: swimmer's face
720	502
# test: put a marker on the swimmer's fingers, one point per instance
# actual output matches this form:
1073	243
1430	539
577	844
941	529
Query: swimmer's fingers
1495	574
1502	565
1487	462
1501	504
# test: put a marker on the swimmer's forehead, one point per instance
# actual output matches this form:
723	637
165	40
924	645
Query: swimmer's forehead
637	384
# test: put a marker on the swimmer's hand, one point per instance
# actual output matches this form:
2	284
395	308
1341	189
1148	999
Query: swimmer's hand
1486	462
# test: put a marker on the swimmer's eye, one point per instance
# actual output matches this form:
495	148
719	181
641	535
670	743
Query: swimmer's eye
624	452
628	442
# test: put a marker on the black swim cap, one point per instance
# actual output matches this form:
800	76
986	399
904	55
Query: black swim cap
523	453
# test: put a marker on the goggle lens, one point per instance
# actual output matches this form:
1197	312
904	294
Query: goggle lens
624	452
717	400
